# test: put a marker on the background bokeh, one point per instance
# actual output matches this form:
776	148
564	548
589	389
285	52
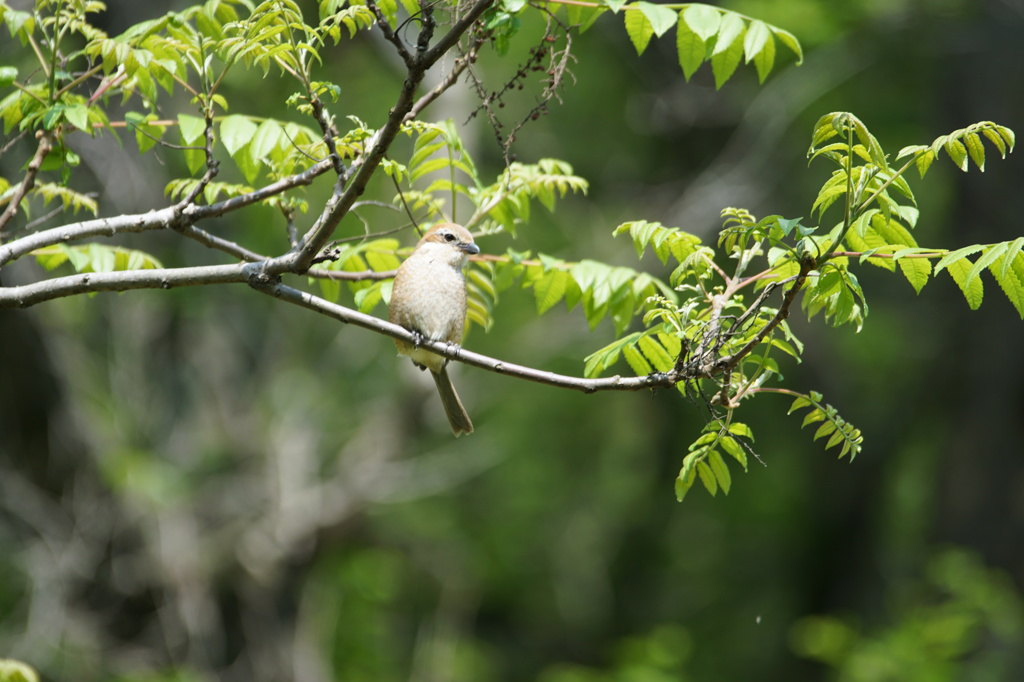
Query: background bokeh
206	484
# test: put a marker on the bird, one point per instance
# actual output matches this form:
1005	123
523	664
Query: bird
428	298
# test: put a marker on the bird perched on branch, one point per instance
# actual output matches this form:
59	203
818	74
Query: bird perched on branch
429	298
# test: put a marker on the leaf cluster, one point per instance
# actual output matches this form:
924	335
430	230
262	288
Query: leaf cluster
724	347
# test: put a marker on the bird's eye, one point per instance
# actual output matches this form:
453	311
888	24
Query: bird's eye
449	237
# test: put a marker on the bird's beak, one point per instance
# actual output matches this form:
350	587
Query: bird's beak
469	247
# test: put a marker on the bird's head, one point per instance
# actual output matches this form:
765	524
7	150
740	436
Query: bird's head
450	239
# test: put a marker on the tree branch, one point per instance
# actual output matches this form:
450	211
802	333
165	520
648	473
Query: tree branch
179	217
454	352
460	65
730	361
391	36
124	280
300	259
45	145
449	39
108	227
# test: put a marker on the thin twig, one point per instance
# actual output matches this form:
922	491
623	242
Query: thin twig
458	68
363	169
391	36
29	181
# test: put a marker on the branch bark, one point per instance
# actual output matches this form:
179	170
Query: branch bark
29	181
123	280
179	217
454	352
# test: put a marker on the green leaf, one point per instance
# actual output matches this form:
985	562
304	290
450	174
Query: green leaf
16	671
739	429
1013	252
656	354
800	402
973	291
765	59
691	48
720	470
730	32
707	477
916	270
955	256
95	258
825	429
790	41
602	359
268	136
78	116
583	16
734	449
815	415
236	132
660	17
8	74
639	30
724	63
549	289
687	475
636	361
703	20
957	152
146	136
976	150
1009	273
990	256
755	39
191	128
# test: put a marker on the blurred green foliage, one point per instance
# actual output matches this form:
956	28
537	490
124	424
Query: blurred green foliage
963	621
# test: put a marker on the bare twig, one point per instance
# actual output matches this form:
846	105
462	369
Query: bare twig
458	68
29	181
730	361
13	141
391	36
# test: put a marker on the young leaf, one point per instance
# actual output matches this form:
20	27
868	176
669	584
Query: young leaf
661	18
976	150
955	256
707	477
703	20
1009	273
755	40
957	152
765	59
973	291
549	289
733	448
720	470
916	270
191	128
724	63
729	32
790	41
639	29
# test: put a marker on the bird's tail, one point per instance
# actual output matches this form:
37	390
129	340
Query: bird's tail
457	416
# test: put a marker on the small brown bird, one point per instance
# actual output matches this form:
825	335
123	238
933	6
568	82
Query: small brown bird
429	298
